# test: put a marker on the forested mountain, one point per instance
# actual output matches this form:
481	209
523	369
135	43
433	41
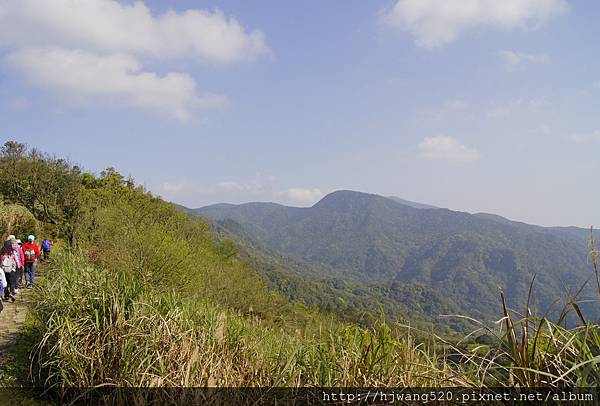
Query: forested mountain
463	259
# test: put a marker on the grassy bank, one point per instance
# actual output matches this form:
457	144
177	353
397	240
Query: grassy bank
102	327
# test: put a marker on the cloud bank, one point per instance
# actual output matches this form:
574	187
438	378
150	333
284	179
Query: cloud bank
115	79
303	196
435	23
194	194
95	50
107	26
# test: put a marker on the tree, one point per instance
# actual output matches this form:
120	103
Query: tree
228	249
16	220
47	186
109	179
13	149
12	156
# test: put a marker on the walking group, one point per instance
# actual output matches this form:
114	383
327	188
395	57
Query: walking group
19	260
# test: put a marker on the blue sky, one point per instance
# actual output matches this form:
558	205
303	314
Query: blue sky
474	105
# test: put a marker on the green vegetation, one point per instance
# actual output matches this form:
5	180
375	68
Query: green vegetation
110	328
147	295
417	263
347	299
17	220
47	186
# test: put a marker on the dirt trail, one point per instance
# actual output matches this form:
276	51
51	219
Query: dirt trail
12	318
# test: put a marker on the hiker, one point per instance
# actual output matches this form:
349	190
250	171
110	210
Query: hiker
46	247
21	269
2	278
32	253
20	257
8	259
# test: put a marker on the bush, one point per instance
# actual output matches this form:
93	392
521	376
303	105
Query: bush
17	220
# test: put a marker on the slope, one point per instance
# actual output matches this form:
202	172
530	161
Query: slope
374	239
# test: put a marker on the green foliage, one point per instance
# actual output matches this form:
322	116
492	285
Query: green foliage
445	261
51	188
109	179
107	327
228	249
347	298
47	186
125	229
17	220
535	352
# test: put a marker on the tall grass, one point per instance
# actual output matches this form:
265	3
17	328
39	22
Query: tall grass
547	353
150	301
533	351
103	328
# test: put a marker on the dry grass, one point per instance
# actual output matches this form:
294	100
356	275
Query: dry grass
101	328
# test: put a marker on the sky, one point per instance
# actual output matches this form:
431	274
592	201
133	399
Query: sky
474	105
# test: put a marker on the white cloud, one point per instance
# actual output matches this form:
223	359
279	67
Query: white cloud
302	196
94	50
445	148
117	79
107	26
586	137
513	59
435	23
195	195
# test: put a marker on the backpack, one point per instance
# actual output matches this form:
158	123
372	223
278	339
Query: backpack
46	245
8	263
29	255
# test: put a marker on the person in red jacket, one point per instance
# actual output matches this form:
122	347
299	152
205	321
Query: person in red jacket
32	253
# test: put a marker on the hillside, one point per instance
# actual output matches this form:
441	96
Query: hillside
376	240
142	294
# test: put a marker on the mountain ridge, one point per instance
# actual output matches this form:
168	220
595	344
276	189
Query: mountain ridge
405	202
374	239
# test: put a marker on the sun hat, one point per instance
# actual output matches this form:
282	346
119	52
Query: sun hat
19	242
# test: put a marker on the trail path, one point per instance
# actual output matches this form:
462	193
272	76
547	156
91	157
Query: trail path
13	316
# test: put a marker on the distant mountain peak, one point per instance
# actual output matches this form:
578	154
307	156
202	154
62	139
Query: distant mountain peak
375	239
344	195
